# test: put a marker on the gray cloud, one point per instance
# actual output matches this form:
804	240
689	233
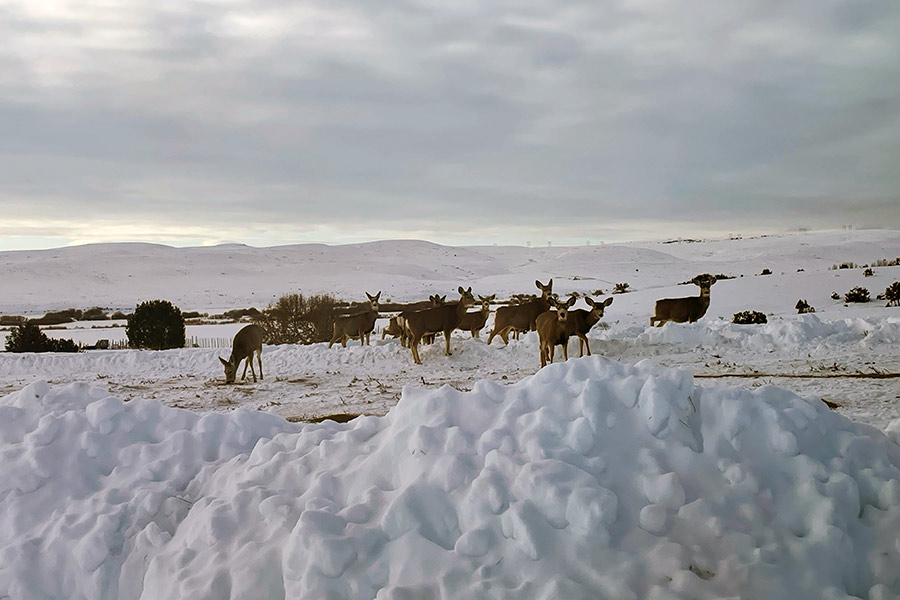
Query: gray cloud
507	121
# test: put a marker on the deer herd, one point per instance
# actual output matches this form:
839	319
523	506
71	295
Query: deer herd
553	319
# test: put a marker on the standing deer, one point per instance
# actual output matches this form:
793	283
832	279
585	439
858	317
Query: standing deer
246	341
684	310
356	325
553	329
521	317
474	321
397	325
581	321
439	319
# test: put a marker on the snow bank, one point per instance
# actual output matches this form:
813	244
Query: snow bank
793	333
590	479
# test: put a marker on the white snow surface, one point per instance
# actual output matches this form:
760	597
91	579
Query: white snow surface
620	475
590	479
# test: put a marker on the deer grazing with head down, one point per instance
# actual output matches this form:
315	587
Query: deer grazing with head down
684	310
581	321
356	325
474	321
246	341
439	319
521	317
553	329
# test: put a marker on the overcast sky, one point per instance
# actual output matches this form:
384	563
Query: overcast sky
467	121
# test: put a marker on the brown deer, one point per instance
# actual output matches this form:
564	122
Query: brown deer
439	319
581	321
357	325
474	321
521	317
246	341
553	329
397	324
687	309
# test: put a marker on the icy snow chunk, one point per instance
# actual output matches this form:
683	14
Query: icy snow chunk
522	523
653	518
665	490
425	509
475	543
591	509
101	413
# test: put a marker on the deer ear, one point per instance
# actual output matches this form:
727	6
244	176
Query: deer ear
571	301
608	301
224	362
469	291
378	295
589	300
460	290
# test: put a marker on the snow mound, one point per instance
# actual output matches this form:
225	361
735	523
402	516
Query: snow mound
590	479
796	332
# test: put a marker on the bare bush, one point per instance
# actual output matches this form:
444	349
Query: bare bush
621	288
295	319
749	317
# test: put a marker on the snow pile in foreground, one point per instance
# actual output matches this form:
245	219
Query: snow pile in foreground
590	479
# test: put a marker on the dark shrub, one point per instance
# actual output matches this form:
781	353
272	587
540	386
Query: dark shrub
156	325
59	317
766	272
803	307
94	314
835	296
12	320
892	294
64	345
621	288
749	317
868	272
28	337
118	315
857	294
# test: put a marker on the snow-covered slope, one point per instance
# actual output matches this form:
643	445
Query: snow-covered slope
231	276
591	479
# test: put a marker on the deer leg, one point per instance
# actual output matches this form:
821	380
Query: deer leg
505	334
447	349
414	347
566	350
259	359
252	371
247	362
543	356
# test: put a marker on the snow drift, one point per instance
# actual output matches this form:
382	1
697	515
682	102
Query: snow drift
591	479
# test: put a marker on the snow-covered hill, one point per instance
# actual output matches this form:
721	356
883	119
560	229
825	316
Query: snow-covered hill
231	276
622	475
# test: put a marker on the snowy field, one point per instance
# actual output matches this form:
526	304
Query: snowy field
624	475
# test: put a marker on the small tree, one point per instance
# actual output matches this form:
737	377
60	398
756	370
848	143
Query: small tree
857	294
28	337
892	294
156	325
